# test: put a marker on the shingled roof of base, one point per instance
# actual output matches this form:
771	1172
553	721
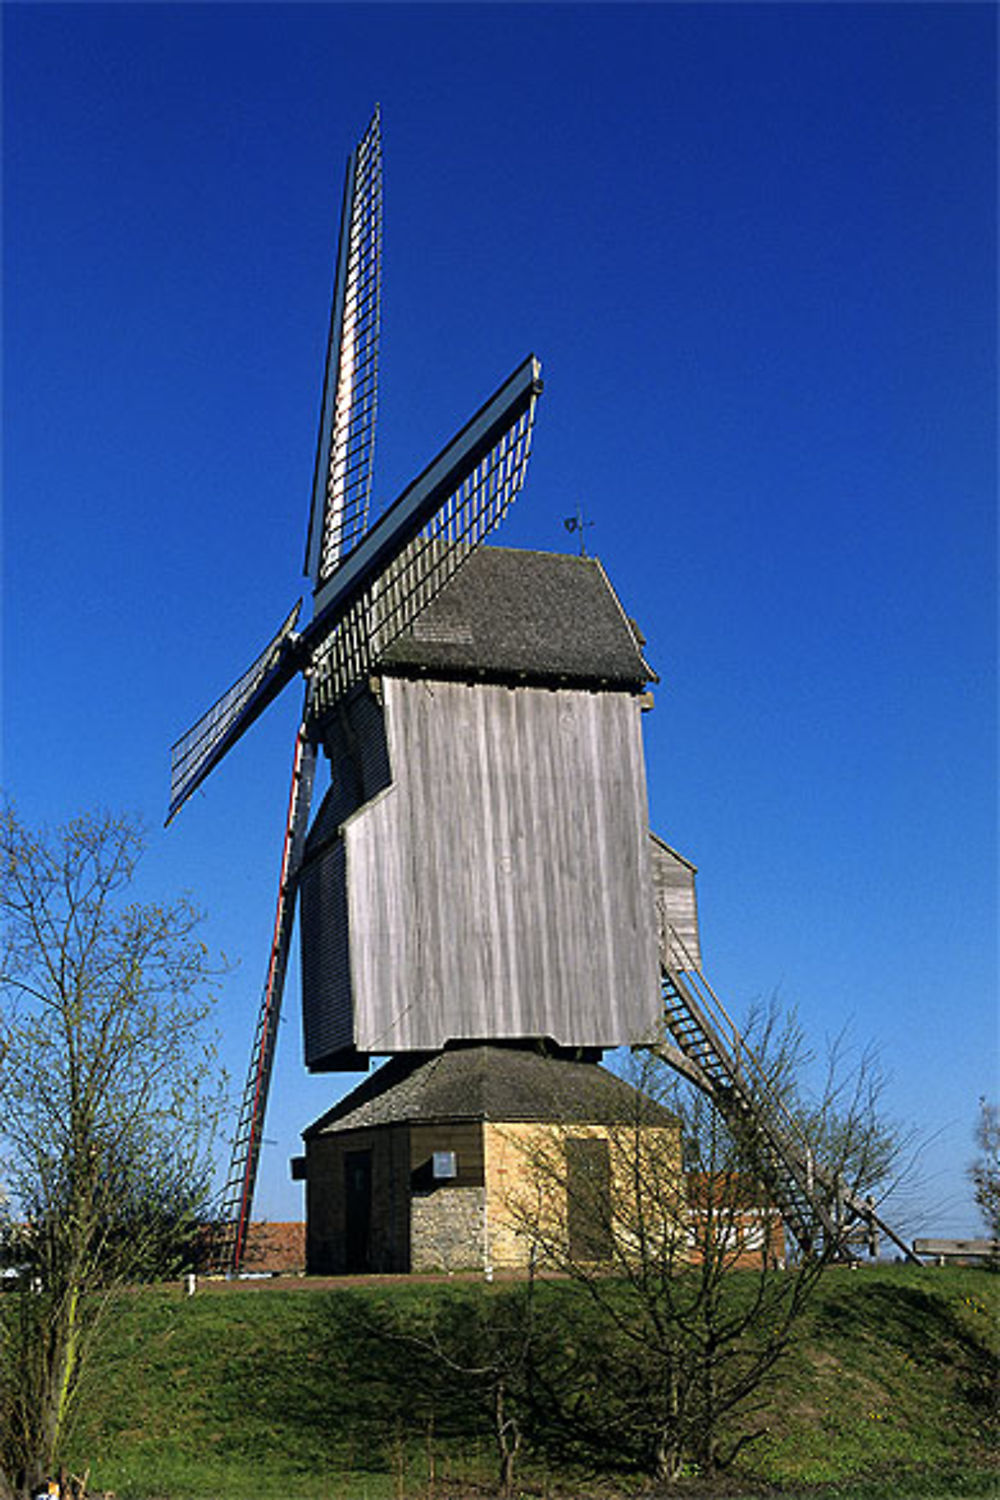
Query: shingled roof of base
546	616
489	1083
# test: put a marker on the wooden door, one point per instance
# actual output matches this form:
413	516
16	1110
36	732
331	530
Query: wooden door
588	1197
357	1210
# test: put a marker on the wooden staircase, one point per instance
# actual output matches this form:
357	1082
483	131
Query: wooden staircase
825	1217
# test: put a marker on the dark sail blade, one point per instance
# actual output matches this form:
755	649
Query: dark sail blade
207	741
408	557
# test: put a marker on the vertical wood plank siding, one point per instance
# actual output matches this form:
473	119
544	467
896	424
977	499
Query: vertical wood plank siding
355	739
502	886
676	902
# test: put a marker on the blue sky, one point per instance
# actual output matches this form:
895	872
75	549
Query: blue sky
754	247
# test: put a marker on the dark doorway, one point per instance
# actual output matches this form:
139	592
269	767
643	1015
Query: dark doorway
588	1197
357	1210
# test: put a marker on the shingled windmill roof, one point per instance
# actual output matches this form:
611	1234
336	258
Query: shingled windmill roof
544	616
505	1084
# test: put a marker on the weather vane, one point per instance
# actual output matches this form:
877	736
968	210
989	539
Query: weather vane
577	523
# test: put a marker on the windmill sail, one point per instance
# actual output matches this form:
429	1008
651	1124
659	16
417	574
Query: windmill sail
420	543
368	586
384	583
206	742
343	474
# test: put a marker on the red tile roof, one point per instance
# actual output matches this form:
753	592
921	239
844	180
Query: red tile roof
277	1248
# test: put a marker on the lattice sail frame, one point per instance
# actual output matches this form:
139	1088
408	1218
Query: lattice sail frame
197	751
347	428
423	567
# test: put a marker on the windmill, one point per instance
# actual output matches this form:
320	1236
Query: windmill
481	868
368	584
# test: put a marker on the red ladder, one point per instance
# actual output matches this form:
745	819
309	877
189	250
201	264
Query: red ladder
237	1197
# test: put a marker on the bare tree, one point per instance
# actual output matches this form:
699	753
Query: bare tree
477	1344
109	1094
695	1289
984	1173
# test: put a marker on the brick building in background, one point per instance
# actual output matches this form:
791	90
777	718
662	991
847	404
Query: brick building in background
275	1249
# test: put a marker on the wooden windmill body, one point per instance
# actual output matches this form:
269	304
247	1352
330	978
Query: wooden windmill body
481	867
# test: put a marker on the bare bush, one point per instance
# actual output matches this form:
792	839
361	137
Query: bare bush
109	1096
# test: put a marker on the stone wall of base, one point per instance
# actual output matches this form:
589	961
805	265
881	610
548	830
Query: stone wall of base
447	1229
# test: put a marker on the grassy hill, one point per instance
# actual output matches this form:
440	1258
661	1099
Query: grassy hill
255	1391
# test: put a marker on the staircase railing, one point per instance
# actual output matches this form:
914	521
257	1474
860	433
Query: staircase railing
747	1068
823	1216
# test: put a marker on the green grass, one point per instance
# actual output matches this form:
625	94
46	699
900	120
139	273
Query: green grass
252	1393
896	1373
